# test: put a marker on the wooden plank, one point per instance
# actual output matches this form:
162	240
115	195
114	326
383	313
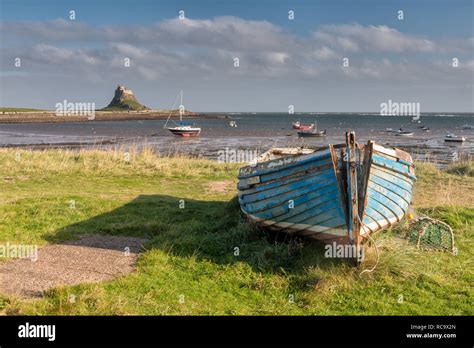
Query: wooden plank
402	193
293	170
247	190
283	201
390	196
353	225
283	162
396	167
387	203
313	178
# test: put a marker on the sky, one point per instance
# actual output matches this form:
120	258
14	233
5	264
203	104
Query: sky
339	55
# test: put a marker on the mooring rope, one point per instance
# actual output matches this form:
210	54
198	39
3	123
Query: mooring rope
369	270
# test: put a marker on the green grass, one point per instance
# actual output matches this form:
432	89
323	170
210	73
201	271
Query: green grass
465	168
7	109
127	104
190	251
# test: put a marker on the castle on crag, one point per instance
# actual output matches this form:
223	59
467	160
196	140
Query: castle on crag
124	99
123	91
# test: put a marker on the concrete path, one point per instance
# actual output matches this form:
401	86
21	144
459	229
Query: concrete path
92	258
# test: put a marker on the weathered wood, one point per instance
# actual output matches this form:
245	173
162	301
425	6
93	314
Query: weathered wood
321	194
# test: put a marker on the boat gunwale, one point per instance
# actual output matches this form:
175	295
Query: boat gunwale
299	174
299	160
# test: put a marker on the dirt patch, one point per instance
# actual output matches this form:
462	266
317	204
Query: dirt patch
90	259
223	186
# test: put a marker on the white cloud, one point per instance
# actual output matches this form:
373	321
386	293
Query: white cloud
355	37
194	50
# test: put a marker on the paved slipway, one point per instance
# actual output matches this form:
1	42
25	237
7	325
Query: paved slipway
91	258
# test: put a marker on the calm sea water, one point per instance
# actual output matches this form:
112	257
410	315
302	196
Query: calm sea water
256	132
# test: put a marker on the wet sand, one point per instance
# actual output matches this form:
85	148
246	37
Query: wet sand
254	132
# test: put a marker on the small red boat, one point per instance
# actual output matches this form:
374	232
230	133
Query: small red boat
304	127
312	132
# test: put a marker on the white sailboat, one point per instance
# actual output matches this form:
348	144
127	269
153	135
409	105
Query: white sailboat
182	128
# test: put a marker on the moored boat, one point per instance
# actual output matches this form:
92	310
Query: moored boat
185	129
337	193
312	132
182	128
451	138
403	133
298	125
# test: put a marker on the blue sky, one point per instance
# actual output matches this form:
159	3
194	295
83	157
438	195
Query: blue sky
282	62
432	17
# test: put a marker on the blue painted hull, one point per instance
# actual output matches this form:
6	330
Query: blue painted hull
314	195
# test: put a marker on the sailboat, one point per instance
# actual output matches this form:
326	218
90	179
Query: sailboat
182	128
312	132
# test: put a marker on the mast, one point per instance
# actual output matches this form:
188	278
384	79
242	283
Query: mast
180	106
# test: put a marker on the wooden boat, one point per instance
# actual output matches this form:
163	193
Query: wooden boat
403	133
451	138
339	193
181	128
298	125
312	133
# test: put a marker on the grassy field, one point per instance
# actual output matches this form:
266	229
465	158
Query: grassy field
7	109
190	253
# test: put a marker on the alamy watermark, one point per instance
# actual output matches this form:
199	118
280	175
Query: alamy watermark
391	108
66	108
229	155
19	251
344	251
28	330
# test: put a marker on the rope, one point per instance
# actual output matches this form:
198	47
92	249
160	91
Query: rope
370	270
171	111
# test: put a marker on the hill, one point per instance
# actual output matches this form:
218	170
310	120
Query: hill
124	99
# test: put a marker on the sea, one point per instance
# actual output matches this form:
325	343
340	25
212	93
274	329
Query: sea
255	133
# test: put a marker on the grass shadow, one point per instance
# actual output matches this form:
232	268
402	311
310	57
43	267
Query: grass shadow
211	230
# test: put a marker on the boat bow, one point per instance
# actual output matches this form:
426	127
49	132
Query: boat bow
342	192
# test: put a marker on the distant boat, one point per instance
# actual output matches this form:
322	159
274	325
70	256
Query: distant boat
339	193
298	125
454	138
424	128
183	129
312	132
403	133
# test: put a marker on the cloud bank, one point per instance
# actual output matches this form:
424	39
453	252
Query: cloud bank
206	50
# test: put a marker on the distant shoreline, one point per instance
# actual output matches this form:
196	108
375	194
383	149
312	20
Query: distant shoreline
50	116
